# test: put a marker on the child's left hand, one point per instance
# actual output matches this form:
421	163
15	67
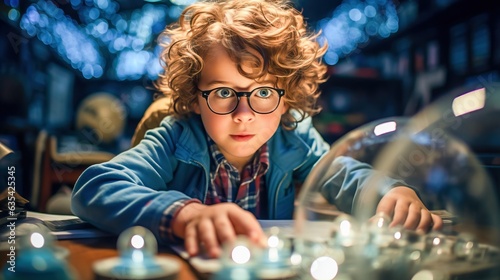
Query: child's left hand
405	208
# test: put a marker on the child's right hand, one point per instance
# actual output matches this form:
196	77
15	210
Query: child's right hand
212	225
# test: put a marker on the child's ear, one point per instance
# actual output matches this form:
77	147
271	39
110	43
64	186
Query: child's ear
196	107
285	108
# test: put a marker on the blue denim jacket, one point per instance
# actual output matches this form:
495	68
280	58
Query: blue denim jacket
172	163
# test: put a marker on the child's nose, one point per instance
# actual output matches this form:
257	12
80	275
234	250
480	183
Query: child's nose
243	112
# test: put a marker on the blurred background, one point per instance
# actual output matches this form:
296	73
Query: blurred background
76	75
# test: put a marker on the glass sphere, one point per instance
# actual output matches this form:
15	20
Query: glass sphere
443	153
137	247
138	259
276	259
323	195
38	258
238	260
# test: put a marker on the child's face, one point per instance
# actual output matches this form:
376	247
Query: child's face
241	133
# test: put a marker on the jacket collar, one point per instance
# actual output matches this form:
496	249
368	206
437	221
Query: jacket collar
286	149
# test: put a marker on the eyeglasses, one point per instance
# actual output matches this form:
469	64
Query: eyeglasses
224	100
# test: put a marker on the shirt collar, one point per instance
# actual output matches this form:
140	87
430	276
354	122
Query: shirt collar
260	161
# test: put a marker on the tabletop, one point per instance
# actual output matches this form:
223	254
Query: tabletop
84	253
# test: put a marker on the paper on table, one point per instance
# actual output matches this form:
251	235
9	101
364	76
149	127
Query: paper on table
205	265
33	219
49	217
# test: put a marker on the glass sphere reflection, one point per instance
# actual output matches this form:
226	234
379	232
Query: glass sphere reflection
442	153
138	259
238	260
324	196
137	247
38	256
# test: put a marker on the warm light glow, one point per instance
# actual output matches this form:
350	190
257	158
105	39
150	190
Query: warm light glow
469	102
397	235
380	223
273	241
423	275
240	254
345	227
37	240
384	128
137	241
324	268
296	259
345	234
436	241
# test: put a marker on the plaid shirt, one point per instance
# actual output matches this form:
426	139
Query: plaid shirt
228	185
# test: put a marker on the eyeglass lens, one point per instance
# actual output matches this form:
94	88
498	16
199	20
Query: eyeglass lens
225	100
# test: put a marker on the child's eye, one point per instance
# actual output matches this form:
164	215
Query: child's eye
264	92
224	92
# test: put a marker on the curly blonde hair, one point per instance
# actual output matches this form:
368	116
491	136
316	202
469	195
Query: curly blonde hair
274	30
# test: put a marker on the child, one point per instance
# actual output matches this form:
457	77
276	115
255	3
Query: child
243	76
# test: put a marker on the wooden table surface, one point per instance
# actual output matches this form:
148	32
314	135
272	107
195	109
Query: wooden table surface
83	253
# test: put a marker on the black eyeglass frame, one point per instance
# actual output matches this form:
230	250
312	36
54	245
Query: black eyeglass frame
239	94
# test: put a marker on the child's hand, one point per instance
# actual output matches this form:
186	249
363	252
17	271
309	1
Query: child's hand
212	225
404	206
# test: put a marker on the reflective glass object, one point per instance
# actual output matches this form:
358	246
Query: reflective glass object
138	259
445	153
37	257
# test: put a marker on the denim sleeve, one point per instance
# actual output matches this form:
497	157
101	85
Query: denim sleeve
129	190
349	183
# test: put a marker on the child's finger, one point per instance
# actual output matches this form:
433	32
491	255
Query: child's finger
208	236
245	223
437	222
425	221
191	240
386	206
401	211
224	229
413	216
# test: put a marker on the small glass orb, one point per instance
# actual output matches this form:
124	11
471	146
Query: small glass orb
379	222
38	256
345	231
137	247
275	261
437	247
380	234
138	260
325	264
238	260
278	249
466	247
324	267
400	237
238	252
37	238
137	239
